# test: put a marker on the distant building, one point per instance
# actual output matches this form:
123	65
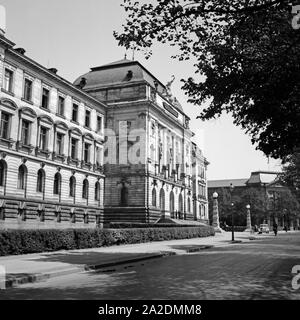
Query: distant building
266	182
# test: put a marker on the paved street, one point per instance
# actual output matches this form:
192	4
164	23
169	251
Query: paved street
259	269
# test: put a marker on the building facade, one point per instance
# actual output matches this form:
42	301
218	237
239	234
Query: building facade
114	146
51	147
152	167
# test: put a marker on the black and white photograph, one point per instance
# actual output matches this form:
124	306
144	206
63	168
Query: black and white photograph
150	151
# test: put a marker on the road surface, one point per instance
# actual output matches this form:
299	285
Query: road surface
259	269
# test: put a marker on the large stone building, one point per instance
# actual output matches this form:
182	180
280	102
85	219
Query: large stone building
114	146
156	169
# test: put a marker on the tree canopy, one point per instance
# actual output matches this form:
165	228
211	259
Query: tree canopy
247	52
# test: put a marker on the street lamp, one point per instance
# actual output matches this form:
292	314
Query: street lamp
232	222
249	228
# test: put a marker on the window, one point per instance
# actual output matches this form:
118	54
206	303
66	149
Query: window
22	177
85	189
74	148
45	98
27	89
124	195
97	190
87	118
189	205
43	138
3	168
154	197
40	186
61	106
57	183
59	143
72	186
75	113
25	134
4	126
8	80
99	124
86	154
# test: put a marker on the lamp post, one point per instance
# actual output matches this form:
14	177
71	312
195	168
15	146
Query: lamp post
216	222
232	220
249	228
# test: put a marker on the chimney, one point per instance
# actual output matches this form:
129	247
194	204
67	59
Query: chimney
53	70
2	20
21	50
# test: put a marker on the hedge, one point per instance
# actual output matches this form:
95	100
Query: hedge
13	242
126	225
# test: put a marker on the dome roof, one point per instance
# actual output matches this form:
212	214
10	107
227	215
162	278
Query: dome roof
118	73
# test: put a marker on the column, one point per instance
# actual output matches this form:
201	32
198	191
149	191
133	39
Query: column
216	222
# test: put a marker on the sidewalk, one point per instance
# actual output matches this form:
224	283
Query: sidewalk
40	266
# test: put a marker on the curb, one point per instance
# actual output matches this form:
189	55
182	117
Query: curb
32	278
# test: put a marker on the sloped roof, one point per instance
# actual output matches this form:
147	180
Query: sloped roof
115	73
226	183
263	177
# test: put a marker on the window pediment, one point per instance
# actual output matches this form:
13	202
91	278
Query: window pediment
61	125
88	136
46	119
9	104
28	112
75	131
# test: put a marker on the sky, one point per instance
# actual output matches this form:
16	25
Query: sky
74	35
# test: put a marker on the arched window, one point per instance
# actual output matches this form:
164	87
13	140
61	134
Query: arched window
124	195
204	212
188	205
3	168
180	203
72	186
171	202
200	211
57	183
154	197
22	177
85	189
40	185
97	191
162	199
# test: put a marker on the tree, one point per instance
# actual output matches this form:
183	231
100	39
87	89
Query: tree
247	53
291	173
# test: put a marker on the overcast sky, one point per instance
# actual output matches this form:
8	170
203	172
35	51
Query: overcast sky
74	35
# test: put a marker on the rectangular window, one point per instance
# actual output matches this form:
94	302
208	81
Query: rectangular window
99	124
86	154
25	132
8	80
87	118
60	143
27	89
74	147
45	98
61	106
4	126
75	113
43	138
